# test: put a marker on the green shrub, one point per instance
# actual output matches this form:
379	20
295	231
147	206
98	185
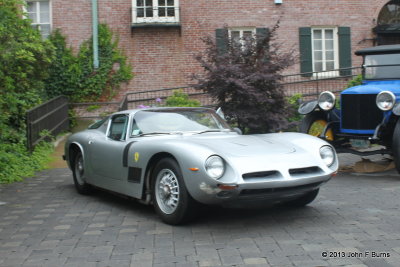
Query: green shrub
16	163
24	58
181	99
355	81
75	76
294	104
64	72
92	108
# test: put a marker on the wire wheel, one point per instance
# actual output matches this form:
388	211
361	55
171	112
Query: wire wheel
79	170
167	191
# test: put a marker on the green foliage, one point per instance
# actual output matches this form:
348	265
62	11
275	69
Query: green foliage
75	76
355	81
16	162
181	99
294	104
92	107
24	58
64	73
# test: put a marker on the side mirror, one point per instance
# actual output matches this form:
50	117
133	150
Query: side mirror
238	130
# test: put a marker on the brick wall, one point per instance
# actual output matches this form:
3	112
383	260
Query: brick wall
164	57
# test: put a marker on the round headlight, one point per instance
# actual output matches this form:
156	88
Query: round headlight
215	167
385	100
327	155
326	100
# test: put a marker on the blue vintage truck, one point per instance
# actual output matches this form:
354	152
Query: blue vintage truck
366	114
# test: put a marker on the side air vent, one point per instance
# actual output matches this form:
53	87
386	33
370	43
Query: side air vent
256	176
309	171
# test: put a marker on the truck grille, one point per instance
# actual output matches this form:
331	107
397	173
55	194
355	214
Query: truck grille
359	112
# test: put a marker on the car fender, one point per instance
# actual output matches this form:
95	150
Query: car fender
308	107
190	158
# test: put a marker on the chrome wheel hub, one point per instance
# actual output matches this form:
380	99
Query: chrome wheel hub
167	191
79	171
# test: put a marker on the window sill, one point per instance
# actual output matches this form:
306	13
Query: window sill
156	25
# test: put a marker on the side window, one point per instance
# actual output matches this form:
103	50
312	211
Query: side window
118	127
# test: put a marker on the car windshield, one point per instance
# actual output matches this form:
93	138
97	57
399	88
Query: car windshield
378	67
177	120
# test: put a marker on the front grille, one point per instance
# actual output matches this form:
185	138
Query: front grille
359	112
279	190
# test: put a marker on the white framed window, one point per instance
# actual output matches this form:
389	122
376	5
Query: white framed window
40	14
325	56
155	11
238	36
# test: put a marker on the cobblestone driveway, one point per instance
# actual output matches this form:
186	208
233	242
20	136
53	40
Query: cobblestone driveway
44	222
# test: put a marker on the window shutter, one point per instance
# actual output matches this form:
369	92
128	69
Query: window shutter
344	50
221	37
305	51
262	33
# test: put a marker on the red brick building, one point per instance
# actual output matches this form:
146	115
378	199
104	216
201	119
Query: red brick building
161	37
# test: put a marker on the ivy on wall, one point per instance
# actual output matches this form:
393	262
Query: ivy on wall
75	76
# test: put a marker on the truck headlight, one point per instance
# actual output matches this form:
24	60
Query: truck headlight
215	167
326	100
385	100
327	155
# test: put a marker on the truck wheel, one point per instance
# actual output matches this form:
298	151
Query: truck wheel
171	199
314	123
396	146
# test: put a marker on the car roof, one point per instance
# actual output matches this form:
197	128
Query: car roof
382	49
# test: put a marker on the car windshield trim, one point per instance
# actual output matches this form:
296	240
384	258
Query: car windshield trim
214	131
177	121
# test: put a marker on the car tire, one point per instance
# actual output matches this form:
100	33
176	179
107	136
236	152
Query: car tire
396	146
171	199
314	123
78	172
303	200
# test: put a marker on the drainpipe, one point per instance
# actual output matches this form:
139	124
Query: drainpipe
95	22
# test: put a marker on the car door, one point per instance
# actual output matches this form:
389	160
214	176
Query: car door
106	153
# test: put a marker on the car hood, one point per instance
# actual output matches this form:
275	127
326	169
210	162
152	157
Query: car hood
374	87
245	145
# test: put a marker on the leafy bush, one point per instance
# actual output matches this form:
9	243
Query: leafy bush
75	76
294	103
355	81
16	162
64	73
181	99
245	81
24	58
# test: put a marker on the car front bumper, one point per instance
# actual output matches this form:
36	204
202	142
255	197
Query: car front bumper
249	194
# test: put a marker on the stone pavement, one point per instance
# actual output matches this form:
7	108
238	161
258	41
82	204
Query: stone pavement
355	221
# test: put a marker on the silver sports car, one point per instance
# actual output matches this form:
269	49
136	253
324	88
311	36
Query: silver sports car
177	158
